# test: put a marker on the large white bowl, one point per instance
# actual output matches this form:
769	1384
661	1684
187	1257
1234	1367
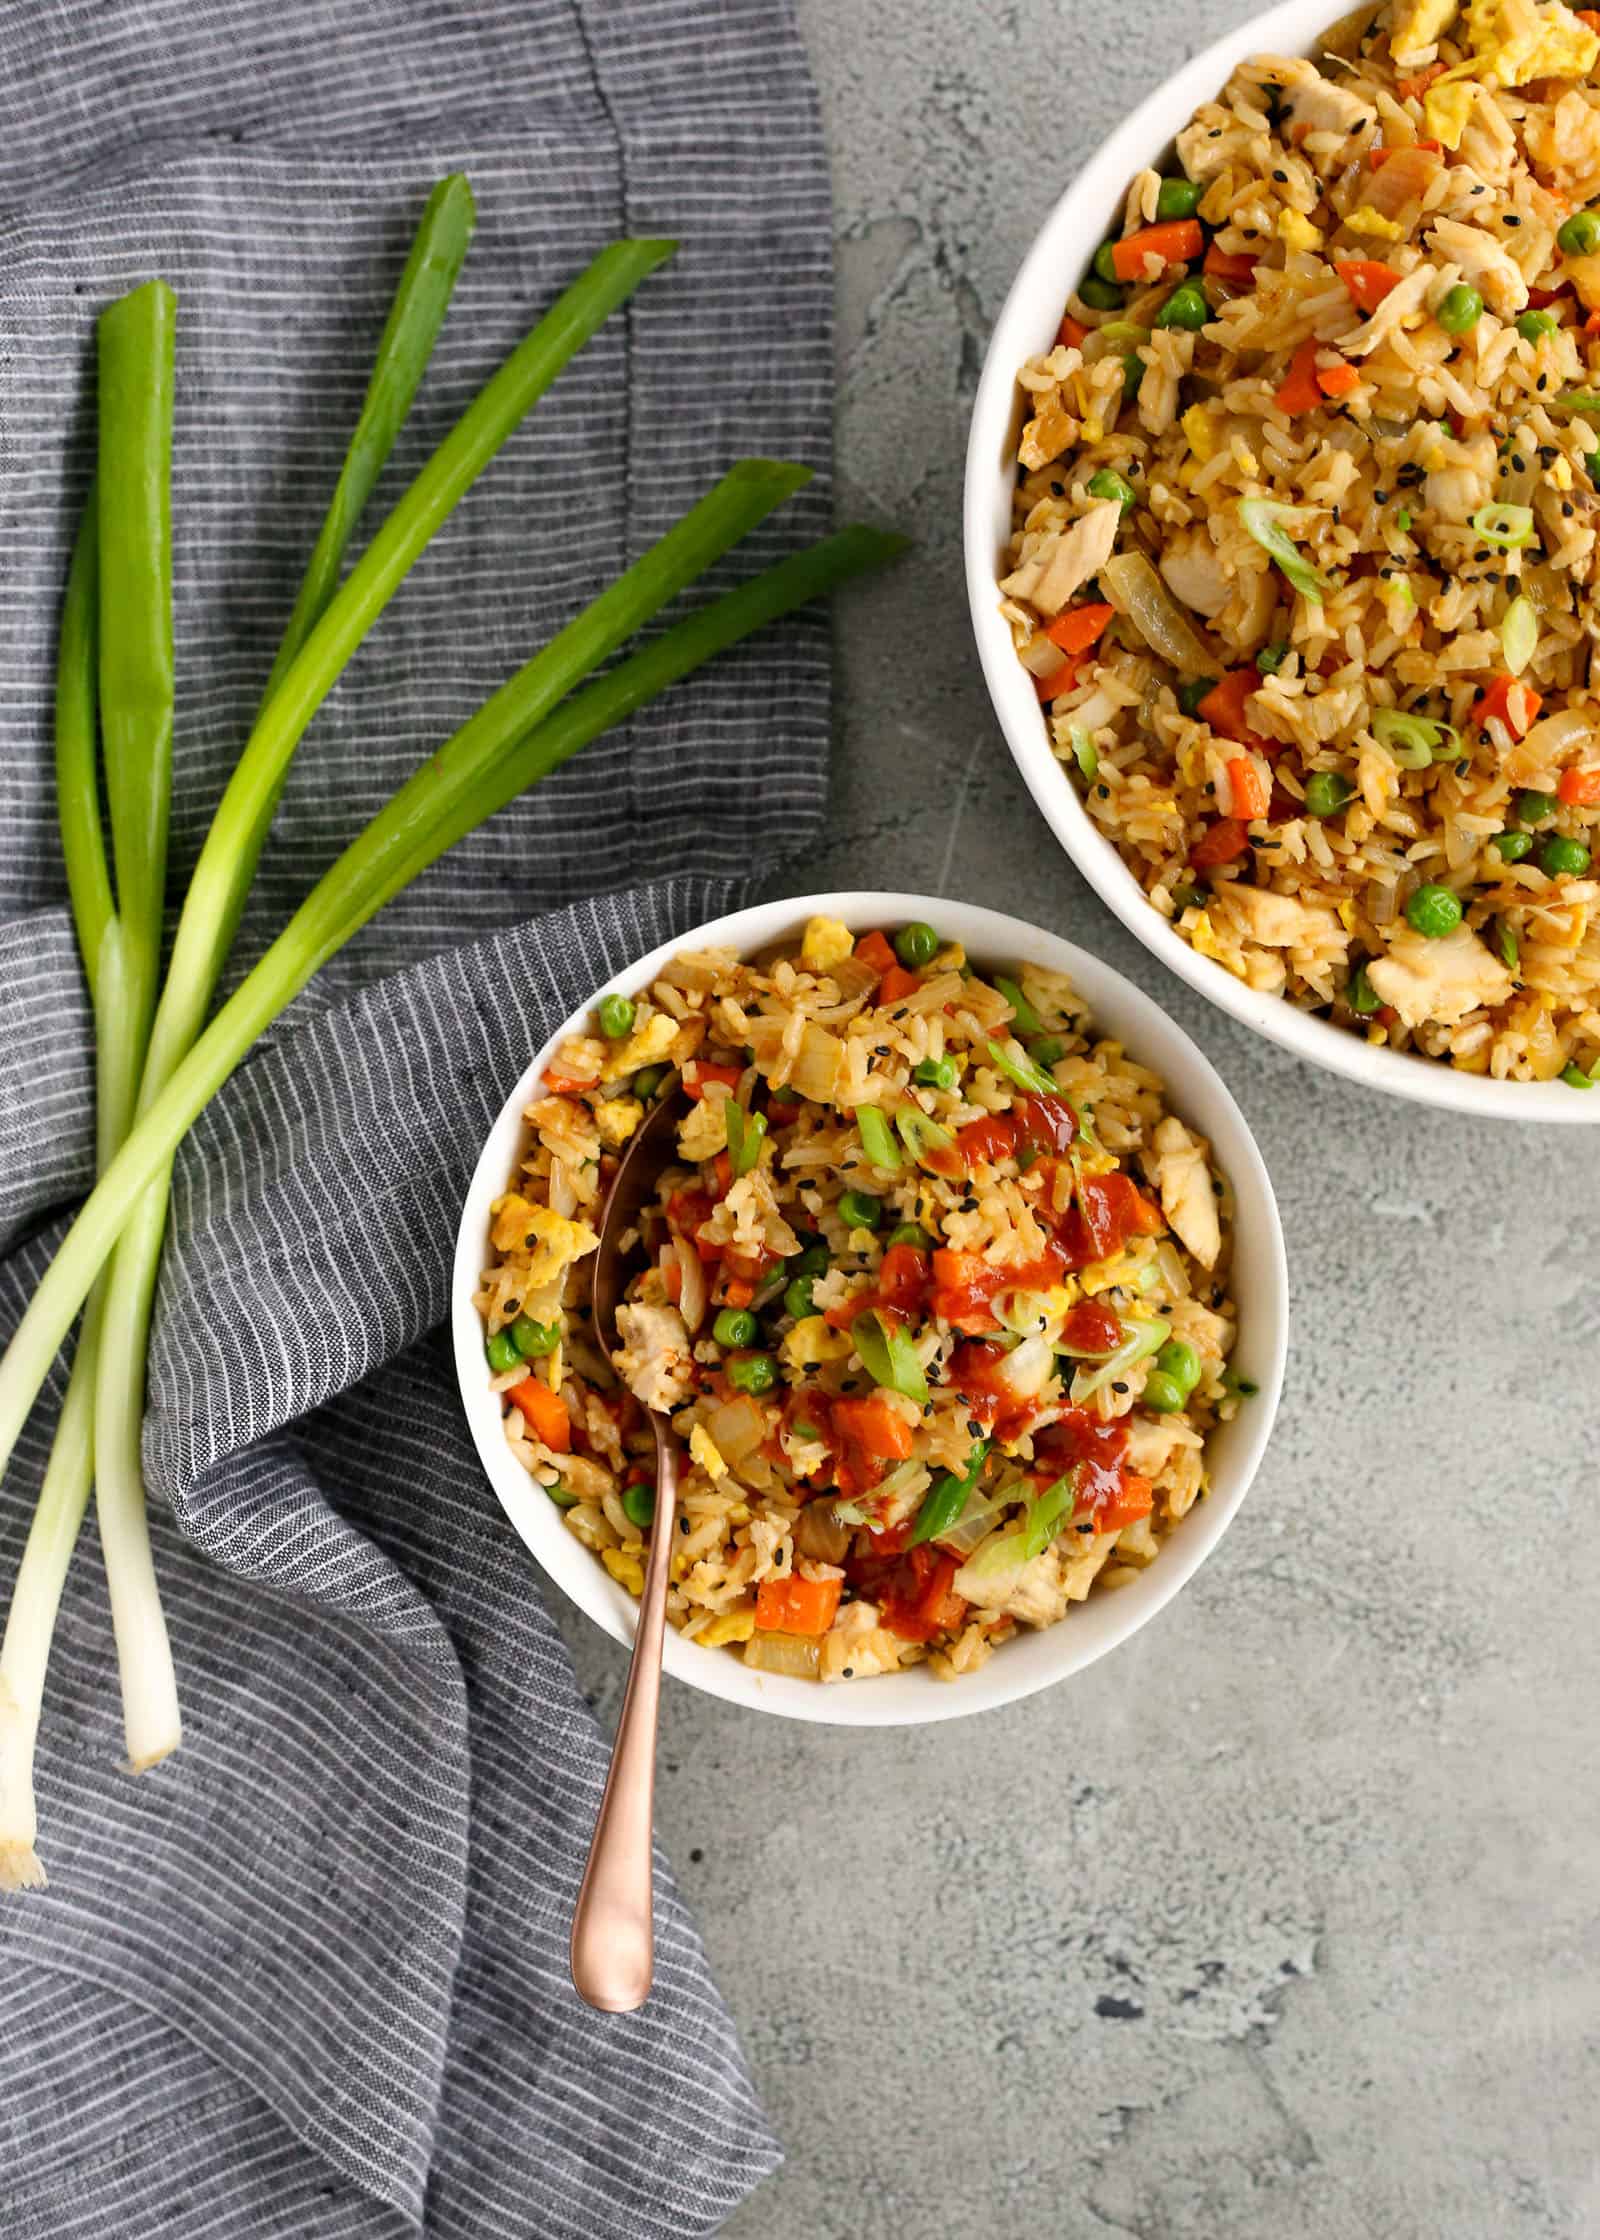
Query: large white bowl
1080	221
1258	1282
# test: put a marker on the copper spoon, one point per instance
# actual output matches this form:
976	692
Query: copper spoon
613	1927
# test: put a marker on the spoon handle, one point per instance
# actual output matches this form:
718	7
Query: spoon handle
613	1931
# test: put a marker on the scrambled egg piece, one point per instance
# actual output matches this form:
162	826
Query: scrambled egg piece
704	1450
1297	231
824	944
627	1570
1374	225
1197	428
1422	25
646	1046
550	1240
1515	40
813	1340
733	1625
1448	110
618	1118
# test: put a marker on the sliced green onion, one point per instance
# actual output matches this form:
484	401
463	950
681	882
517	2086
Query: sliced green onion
941	1511
1084	751
1507	946
1265	521
1575	1077
925	1139
1123	330
1519	633
746	1131
1020	1070
1048	1514
876	1140
1508	528
1579	400
1143	1339
888	1355
1023	1016
1415	741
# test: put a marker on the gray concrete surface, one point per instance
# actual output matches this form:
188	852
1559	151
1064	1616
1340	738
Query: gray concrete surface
1282	1922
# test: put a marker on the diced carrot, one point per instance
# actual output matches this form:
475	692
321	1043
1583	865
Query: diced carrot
739	1293
1298	392
1059	681
1076	629
700	1072
1337	381
722	1168
546	1413
1413	89
1591	325
878	1429
1179	241
1221	842
1133	1498
796	1605
563	1085
672	1280
873	948
1223	264
1367	280
1378	156
897	984
1590	16
1580	789
1069	334
1223	705
1512	702
1250	793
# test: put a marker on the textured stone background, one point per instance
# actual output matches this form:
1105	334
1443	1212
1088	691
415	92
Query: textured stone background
1282	1922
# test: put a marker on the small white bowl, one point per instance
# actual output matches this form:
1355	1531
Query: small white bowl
1258	1282
1080	221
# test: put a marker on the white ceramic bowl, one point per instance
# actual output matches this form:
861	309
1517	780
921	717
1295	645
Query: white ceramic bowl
1080	221
1259	1284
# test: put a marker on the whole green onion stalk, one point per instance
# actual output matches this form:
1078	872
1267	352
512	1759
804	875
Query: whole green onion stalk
509	745
324	633
114	687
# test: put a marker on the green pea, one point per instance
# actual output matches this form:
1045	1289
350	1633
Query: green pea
1580	236
936	1073
1186	898
1105	262
1161	1392
1186	307
616	1017
1533	808
1048	1052
533	1340
502	1352
797	1299
1099	294
859	1209
1132	375
1533	326
1434	911
1513	846
1327	793
916	945
1563	858
1461	309
752	1372
1181	1363
1177	198
562	1496
736	1326
913	1234
1361	996
811	1260
639	1504
1107	483
648	1080
1191	694
1271	659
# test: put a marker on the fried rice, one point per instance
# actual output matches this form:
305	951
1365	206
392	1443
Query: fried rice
1305	533
935	1297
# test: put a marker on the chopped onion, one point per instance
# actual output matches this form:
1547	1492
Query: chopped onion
888	1354
1131	583
692	1299
1026	1370
1174	1274
737	1428
1519	634
798	1656
976	1524
1041	656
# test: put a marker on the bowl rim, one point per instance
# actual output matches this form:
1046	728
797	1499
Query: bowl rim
910	1698
1028	318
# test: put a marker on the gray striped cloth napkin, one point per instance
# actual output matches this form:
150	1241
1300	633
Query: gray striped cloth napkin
309	1978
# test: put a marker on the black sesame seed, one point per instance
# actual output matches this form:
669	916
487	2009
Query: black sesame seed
1104	792
1119	1387
848	1673
1519	463
1084	1528
683	1524
974	1428
880	1049
1568	508
1509	218
1282	178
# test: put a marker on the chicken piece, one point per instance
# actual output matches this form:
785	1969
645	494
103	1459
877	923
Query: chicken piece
1281	921
1439	981
1193	572
1492	271
1031	1592
654	1360
1564	143
1183	1177
1465	481
1322	106
1397	305
552	1242
1152	1441
703	1131
858	1644
1081	552
1200	148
